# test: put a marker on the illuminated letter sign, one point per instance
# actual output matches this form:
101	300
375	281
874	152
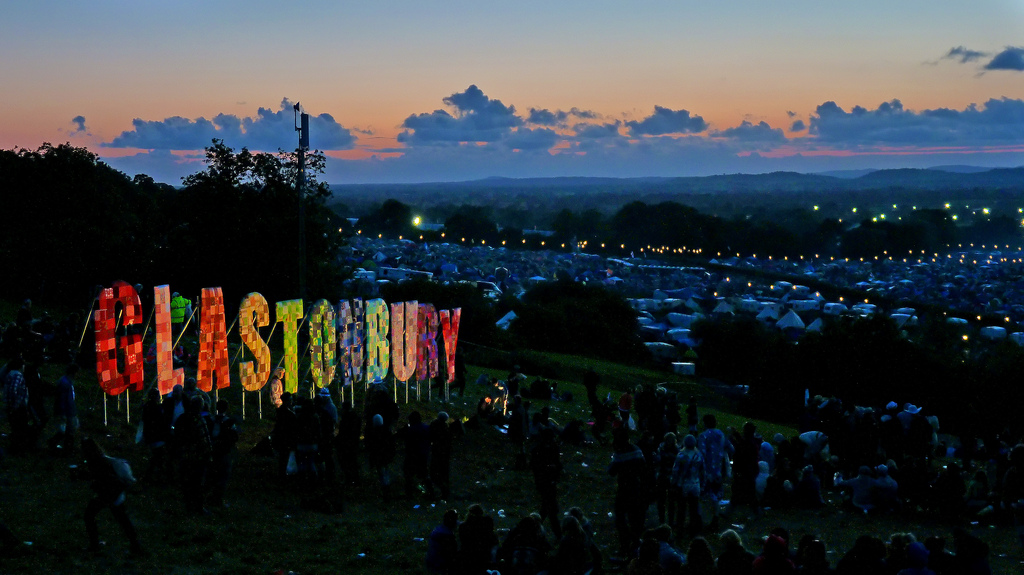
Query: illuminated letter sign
254	313
105	321
450	327
427	349
167	376
322	343
213	342
404	319
377	353
289	312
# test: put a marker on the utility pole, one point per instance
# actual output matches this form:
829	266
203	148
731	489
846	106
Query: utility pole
302	127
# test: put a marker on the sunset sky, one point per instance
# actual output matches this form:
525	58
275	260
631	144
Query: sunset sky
411	91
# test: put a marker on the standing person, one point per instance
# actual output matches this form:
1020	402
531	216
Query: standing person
307	443
441	454
546	462
688	477
734	559
416	438
156	431
110	486
665	493
16	398
37	392
478	541
380	450
714	448
518	428
64	409
284	435
327	414
193	436
699	560
181	309
628	467
774	559
442	546
745	468
224	435
350	427
625	406
277	386
173	408
691	415
1012	500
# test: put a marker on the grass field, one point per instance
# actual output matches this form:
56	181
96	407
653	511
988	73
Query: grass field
266	528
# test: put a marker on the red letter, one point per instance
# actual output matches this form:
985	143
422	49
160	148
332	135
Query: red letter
451	339
427	349
105	321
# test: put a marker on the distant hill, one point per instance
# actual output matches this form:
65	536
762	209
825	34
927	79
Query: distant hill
960	169
847	173
938	178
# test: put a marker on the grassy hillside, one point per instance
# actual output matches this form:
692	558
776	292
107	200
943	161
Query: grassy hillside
266	527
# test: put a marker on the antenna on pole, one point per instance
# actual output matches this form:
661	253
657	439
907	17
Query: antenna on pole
302	127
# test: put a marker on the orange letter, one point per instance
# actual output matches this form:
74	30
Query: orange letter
253	314
167	376
213	342
404	318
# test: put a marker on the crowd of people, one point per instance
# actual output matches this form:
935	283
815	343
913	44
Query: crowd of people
667	462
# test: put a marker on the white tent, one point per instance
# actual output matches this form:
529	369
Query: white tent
506	320
993	332
678	334
690	303
683	368
723	307
901	319
680	319
769	312
804	304
816	325
747	305
661	349
835	308
865	308
790	320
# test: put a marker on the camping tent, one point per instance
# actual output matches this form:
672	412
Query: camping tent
790	321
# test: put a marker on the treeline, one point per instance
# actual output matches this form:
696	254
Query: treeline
638	227
73	222
869	362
